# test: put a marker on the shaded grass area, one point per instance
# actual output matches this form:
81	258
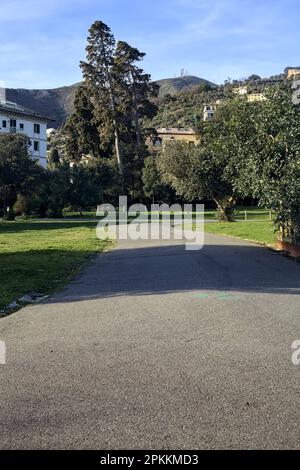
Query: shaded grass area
41	256
241	213
262	232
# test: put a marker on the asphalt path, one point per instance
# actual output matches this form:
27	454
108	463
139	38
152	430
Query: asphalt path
152	347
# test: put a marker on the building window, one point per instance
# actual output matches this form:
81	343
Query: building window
4	124
37	128
13	125
21	126
36	146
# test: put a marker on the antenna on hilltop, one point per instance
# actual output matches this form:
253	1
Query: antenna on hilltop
184	72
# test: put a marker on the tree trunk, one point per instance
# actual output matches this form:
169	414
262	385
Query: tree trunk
118	150
115	125
136	113
116	132
226	208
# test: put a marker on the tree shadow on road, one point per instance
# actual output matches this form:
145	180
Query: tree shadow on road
169	269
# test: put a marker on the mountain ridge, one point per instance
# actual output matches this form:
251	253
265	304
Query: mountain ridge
57	103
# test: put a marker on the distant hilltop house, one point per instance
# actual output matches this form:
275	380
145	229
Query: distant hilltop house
15	119
208	112
292	73
240	90
256	97
210	109
169	134
243	91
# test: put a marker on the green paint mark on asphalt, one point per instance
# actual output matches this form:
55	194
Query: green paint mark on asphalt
220	296
227	296
201	296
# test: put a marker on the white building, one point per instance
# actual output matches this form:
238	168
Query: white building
16	119
256	97
208	112
240	90
210	109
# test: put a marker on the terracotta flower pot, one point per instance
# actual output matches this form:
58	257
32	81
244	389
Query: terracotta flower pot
294	250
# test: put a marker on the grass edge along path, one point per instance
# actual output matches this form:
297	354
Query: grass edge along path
262	232
42	257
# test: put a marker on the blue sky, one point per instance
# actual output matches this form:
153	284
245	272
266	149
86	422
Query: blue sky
42	42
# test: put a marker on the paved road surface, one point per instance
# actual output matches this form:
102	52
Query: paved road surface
156	347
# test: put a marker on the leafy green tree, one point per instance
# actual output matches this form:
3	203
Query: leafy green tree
272	169
135	87
204	87
81	129
104	175
151	177
196	173
33	199
210	170
259	147
83	190
154	187
253	78
16	167
111	107
134	90
58	190
57	141
53	159
230	137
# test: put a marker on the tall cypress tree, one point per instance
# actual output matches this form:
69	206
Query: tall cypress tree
135	86
82	128
99	79
134	91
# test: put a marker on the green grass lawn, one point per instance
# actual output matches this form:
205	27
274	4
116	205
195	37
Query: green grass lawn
262	232
41	256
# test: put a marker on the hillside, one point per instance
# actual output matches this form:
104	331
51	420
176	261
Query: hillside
180	100
185	109
172	86
57	103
